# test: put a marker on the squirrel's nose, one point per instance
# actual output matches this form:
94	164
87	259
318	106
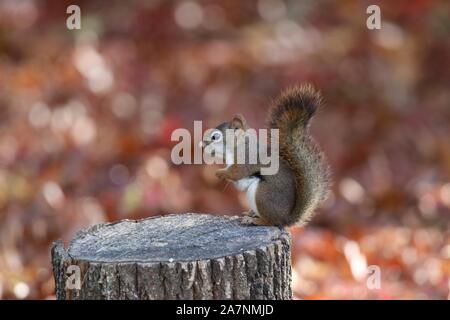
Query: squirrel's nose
201	144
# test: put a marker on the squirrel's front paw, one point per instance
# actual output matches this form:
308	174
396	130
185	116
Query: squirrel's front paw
221	174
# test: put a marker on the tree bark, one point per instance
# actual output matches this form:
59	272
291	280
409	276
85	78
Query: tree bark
186	256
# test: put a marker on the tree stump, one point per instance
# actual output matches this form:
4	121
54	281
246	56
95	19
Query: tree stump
184	256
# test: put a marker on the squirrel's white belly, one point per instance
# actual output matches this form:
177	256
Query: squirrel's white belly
249	185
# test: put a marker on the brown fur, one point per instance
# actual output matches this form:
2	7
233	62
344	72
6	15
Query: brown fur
291	113
291	195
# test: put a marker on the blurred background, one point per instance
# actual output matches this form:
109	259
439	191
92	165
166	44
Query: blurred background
86	117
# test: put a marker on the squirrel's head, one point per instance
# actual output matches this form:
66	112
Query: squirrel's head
215	140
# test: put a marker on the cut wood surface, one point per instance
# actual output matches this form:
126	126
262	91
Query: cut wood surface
183	256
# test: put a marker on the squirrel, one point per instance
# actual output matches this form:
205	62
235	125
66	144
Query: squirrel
290	196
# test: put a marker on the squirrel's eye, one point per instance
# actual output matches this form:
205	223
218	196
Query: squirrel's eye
216	136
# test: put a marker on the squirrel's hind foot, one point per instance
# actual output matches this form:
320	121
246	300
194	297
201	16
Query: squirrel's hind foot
252	218
250	213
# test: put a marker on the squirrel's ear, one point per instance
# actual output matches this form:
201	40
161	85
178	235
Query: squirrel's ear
238	122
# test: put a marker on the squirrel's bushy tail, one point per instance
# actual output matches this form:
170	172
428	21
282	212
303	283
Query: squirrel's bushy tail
290	113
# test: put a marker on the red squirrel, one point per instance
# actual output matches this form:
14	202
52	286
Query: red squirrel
290	196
